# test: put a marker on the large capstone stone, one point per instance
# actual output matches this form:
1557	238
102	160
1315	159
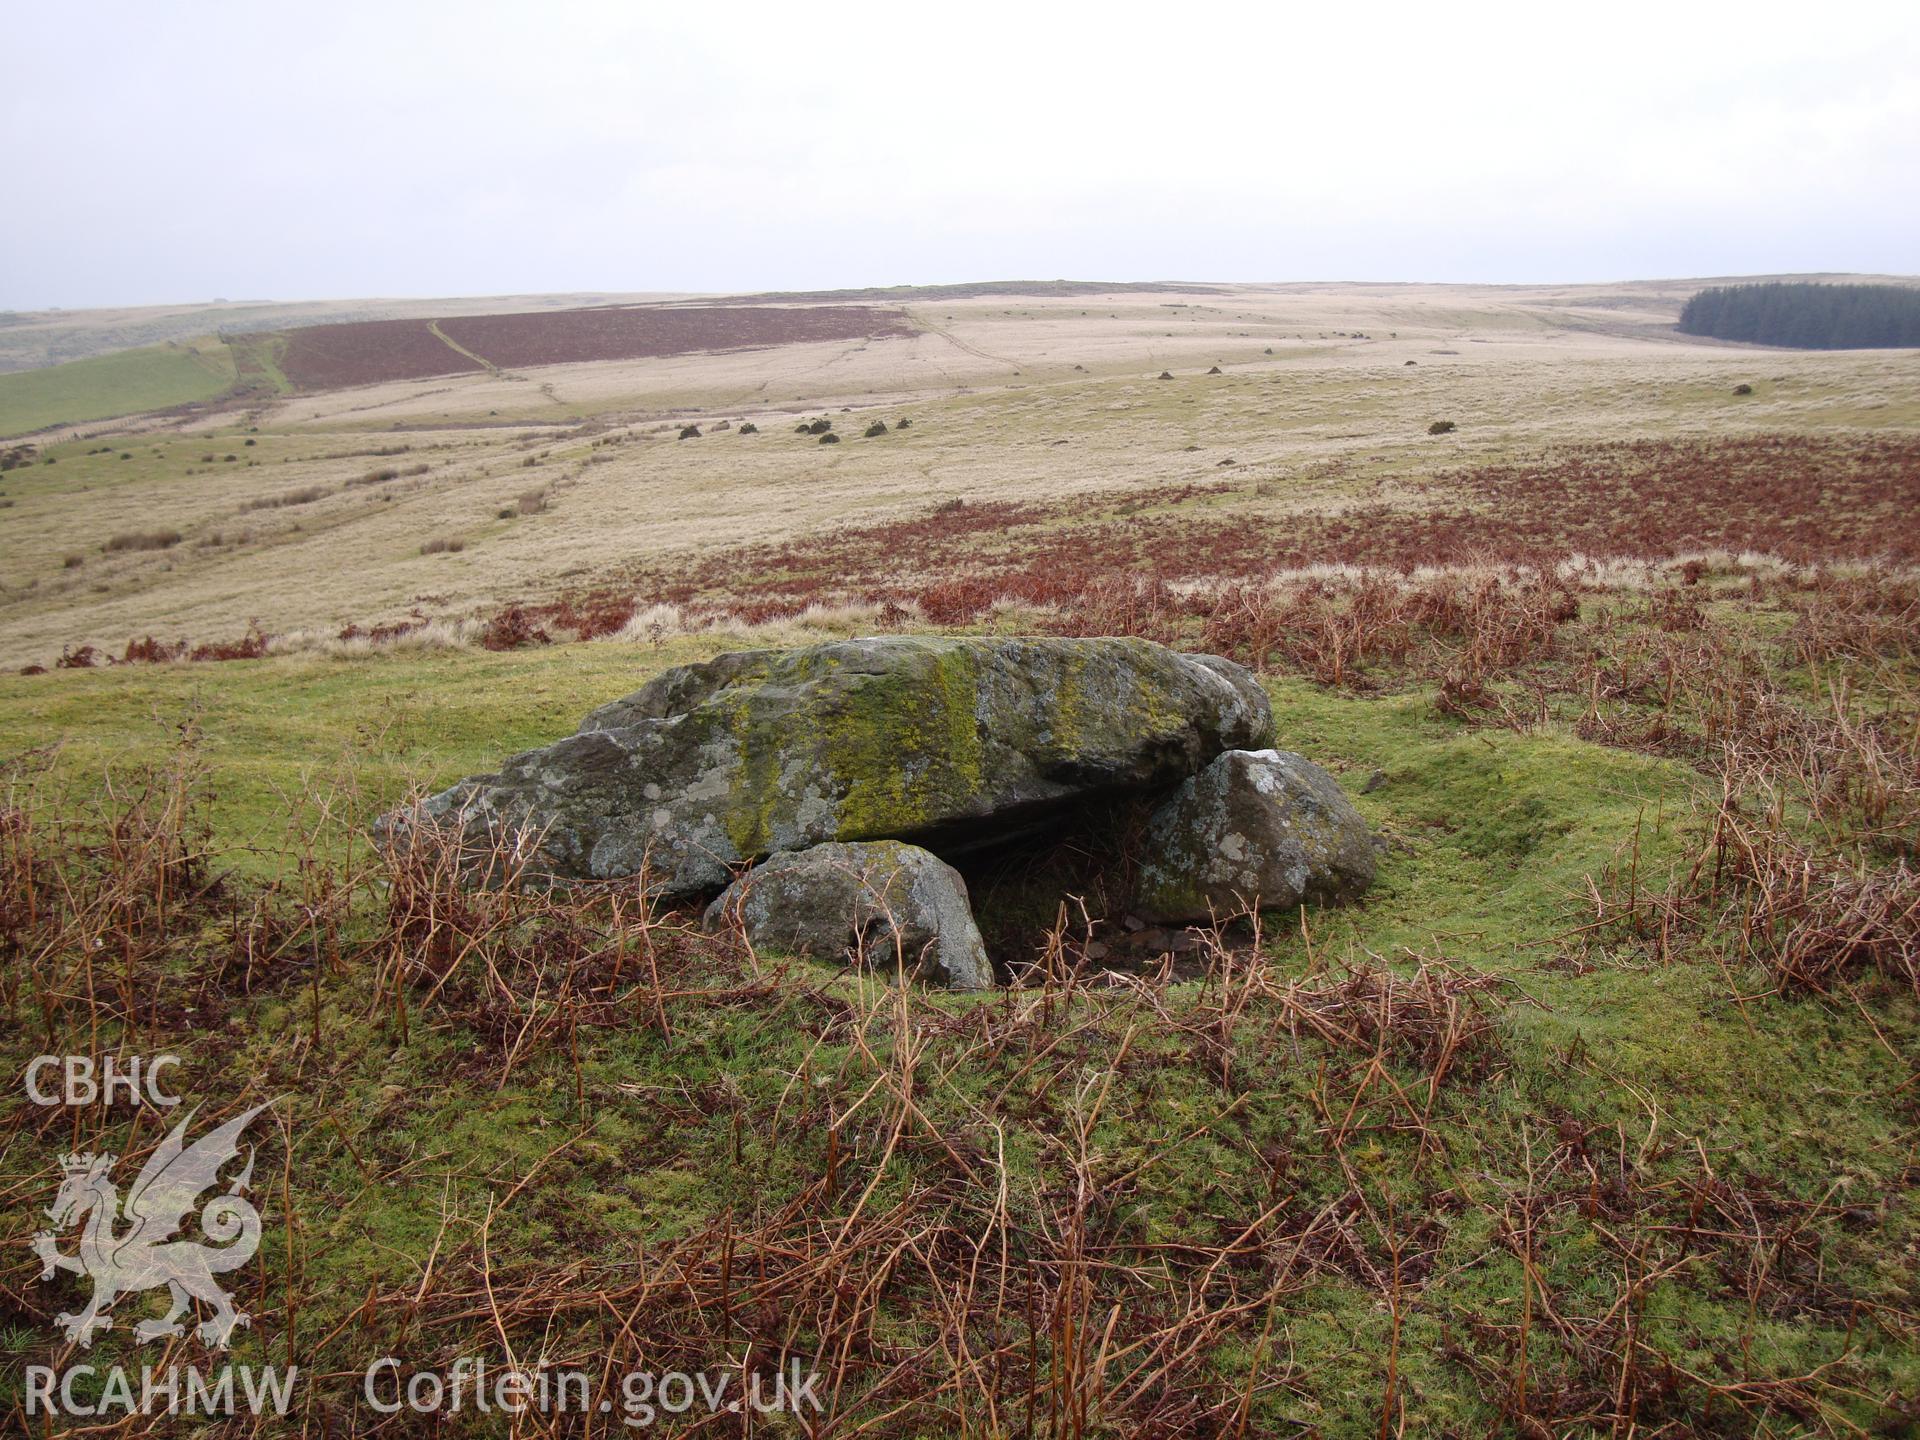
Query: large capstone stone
1263	828
887	906
947	742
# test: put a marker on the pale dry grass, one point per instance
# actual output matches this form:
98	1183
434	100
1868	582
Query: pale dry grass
651	627
1000	412
445	634
656	624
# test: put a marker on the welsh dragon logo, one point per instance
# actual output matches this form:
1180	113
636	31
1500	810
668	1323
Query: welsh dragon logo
144	1255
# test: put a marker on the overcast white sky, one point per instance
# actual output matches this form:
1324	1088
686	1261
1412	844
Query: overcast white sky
159	153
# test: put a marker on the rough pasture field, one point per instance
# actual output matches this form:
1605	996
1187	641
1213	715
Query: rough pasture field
1800	499
561	480
642	332
327	357
320	356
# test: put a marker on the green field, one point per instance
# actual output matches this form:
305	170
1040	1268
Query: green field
125	383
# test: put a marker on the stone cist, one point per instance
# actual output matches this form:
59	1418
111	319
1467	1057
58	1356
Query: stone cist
853	777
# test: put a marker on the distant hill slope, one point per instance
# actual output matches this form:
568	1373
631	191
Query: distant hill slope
126	382
325	357
985	289
34	339
263	363
162	356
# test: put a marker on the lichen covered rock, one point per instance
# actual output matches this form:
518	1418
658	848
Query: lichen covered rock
943	741
892	907
1266	828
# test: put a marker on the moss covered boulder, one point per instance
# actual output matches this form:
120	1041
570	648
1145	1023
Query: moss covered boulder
948	742
888	907
1263	828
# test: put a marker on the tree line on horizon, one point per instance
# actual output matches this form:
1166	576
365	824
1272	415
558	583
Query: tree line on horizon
1807	315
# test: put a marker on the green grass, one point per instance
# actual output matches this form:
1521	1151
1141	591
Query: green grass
428	719
266	727
125	383
1490	836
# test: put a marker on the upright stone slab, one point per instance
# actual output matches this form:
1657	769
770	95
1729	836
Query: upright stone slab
1264	827
891	906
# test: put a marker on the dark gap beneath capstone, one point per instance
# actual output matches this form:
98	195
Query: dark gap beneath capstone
1084	859
962	841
